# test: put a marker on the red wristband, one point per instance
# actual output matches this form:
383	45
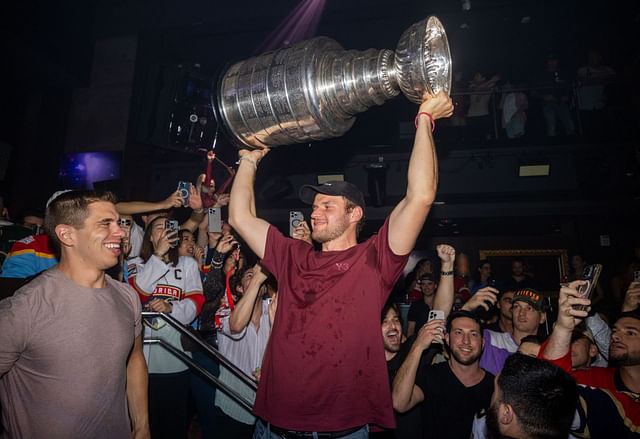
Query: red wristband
433	123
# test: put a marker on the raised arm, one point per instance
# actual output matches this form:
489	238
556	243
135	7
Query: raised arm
202	240
568	318
406	394
483	298
632	297
135	207
197	212
444	297
242	210
409	215
241	314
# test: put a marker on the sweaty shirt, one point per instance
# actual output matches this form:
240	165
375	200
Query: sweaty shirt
324	368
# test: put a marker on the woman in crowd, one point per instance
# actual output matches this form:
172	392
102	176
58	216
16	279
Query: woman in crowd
168	283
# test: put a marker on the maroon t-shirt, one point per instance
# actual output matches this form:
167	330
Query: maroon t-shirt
324	368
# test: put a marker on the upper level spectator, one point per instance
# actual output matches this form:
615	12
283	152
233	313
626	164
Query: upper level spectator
556	97
592	79
479	122
514	105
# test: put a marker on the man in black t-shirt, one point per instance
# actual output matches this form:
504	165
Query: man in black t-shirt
407	424
396	348
518	280
454	391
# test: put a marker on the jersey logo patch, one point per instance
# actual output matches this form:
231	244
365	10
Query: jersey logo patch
167	291
342	266
28	240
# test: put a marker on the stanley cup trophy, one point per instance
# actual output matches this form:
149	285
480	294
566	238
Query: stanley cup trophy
313	90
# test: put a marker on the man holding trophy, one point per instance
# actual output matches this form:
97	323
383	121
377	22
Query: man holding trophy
324	371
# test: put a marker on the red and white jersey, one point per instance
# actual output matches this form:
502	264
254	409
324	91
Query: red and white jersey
180	285
157	280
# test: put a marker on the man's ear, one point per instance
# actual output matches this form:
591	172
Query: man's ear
506	416
357	213
543	317
65	234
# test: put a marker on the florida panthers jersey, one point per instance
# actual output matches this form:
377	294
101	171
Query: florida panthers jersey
180	285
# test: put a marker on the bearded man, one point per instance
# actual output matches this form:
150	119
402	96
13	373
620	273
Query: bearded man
452	392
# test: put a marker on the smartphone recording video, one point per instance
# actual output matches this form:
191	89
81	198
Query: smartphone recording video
295	218
183	187
436	314
172	226
215	219
590	274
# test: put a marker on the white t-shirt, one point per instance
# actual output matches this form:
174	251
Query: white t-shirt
245	350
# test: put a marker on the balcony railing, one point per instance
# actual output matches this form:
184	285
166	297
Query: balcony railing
209	350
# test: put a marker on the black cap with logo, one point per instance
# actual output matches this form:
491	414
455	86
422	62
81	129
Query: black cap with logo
336	188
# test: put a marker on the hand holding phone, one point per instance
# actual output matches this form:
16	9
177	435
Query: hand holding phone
215	219
632	296
171	227
184	187
295	218
433	330
590	275
435	314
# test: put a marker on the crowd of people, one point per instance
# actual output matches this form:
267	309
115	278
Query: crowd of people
554	102
299	316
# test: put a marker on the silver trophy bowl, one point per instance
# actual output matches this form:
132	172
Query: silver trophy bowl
313	90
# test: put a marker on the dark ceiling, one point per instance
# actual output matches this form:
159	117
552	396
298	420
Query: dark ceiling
53	41
49	47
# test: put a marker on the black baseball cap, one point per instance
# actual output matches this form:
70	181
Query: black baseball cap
532	297
427	276
337	188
